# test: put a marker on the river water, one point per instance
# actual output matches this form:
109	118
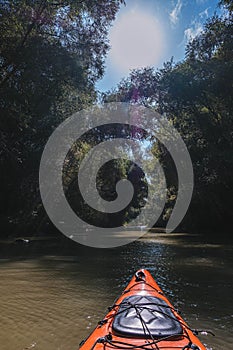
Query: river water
50	299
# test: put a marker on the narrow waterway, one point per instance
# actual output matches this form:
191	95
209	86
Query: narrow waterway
50	299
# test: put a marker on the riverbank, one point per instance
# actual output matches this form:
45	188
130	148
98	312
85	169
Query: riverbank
32	246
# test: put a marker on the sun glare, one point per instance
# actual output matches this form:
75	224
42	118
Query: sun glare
136	41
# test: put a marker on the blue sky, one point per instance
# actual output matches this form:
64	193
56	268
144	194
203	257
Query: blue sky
150	32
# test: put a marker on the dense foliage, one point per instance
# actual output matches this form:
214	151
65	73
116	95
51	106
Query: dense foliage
51	54
196	96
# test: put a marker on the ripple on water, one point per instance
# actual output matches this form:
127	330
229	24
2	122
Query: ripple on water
52	303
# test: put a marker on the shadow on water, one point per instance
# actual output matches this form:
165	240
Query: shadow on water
54	292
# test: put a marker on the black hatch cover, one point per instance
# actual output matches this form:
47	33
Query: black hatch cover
139	316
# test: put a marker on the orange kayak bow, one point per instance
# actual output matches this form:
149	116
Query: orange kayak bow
142	318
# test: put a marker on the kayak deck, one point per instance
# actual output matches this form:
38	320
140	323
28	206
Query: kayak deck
142	318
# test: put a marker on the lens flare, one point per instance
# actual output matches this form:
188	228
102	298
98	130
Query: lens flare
137	40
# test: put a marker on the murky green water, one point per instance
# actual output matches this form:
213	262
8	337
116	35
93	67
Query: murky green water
52	301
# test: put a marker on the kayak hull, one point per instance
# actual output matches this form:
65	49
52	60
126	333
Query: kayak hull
142	318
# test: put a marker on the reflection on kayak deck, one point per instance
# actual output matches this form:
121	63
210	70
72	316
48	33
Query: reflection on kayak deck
52	297
142	317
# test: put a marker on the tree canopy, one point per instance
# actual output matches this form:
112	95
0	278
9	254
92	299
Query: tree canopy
196	96
51	55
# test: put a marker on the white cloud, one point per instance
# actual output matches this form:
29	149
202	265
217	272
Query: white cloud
204	13
191	32
174	15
